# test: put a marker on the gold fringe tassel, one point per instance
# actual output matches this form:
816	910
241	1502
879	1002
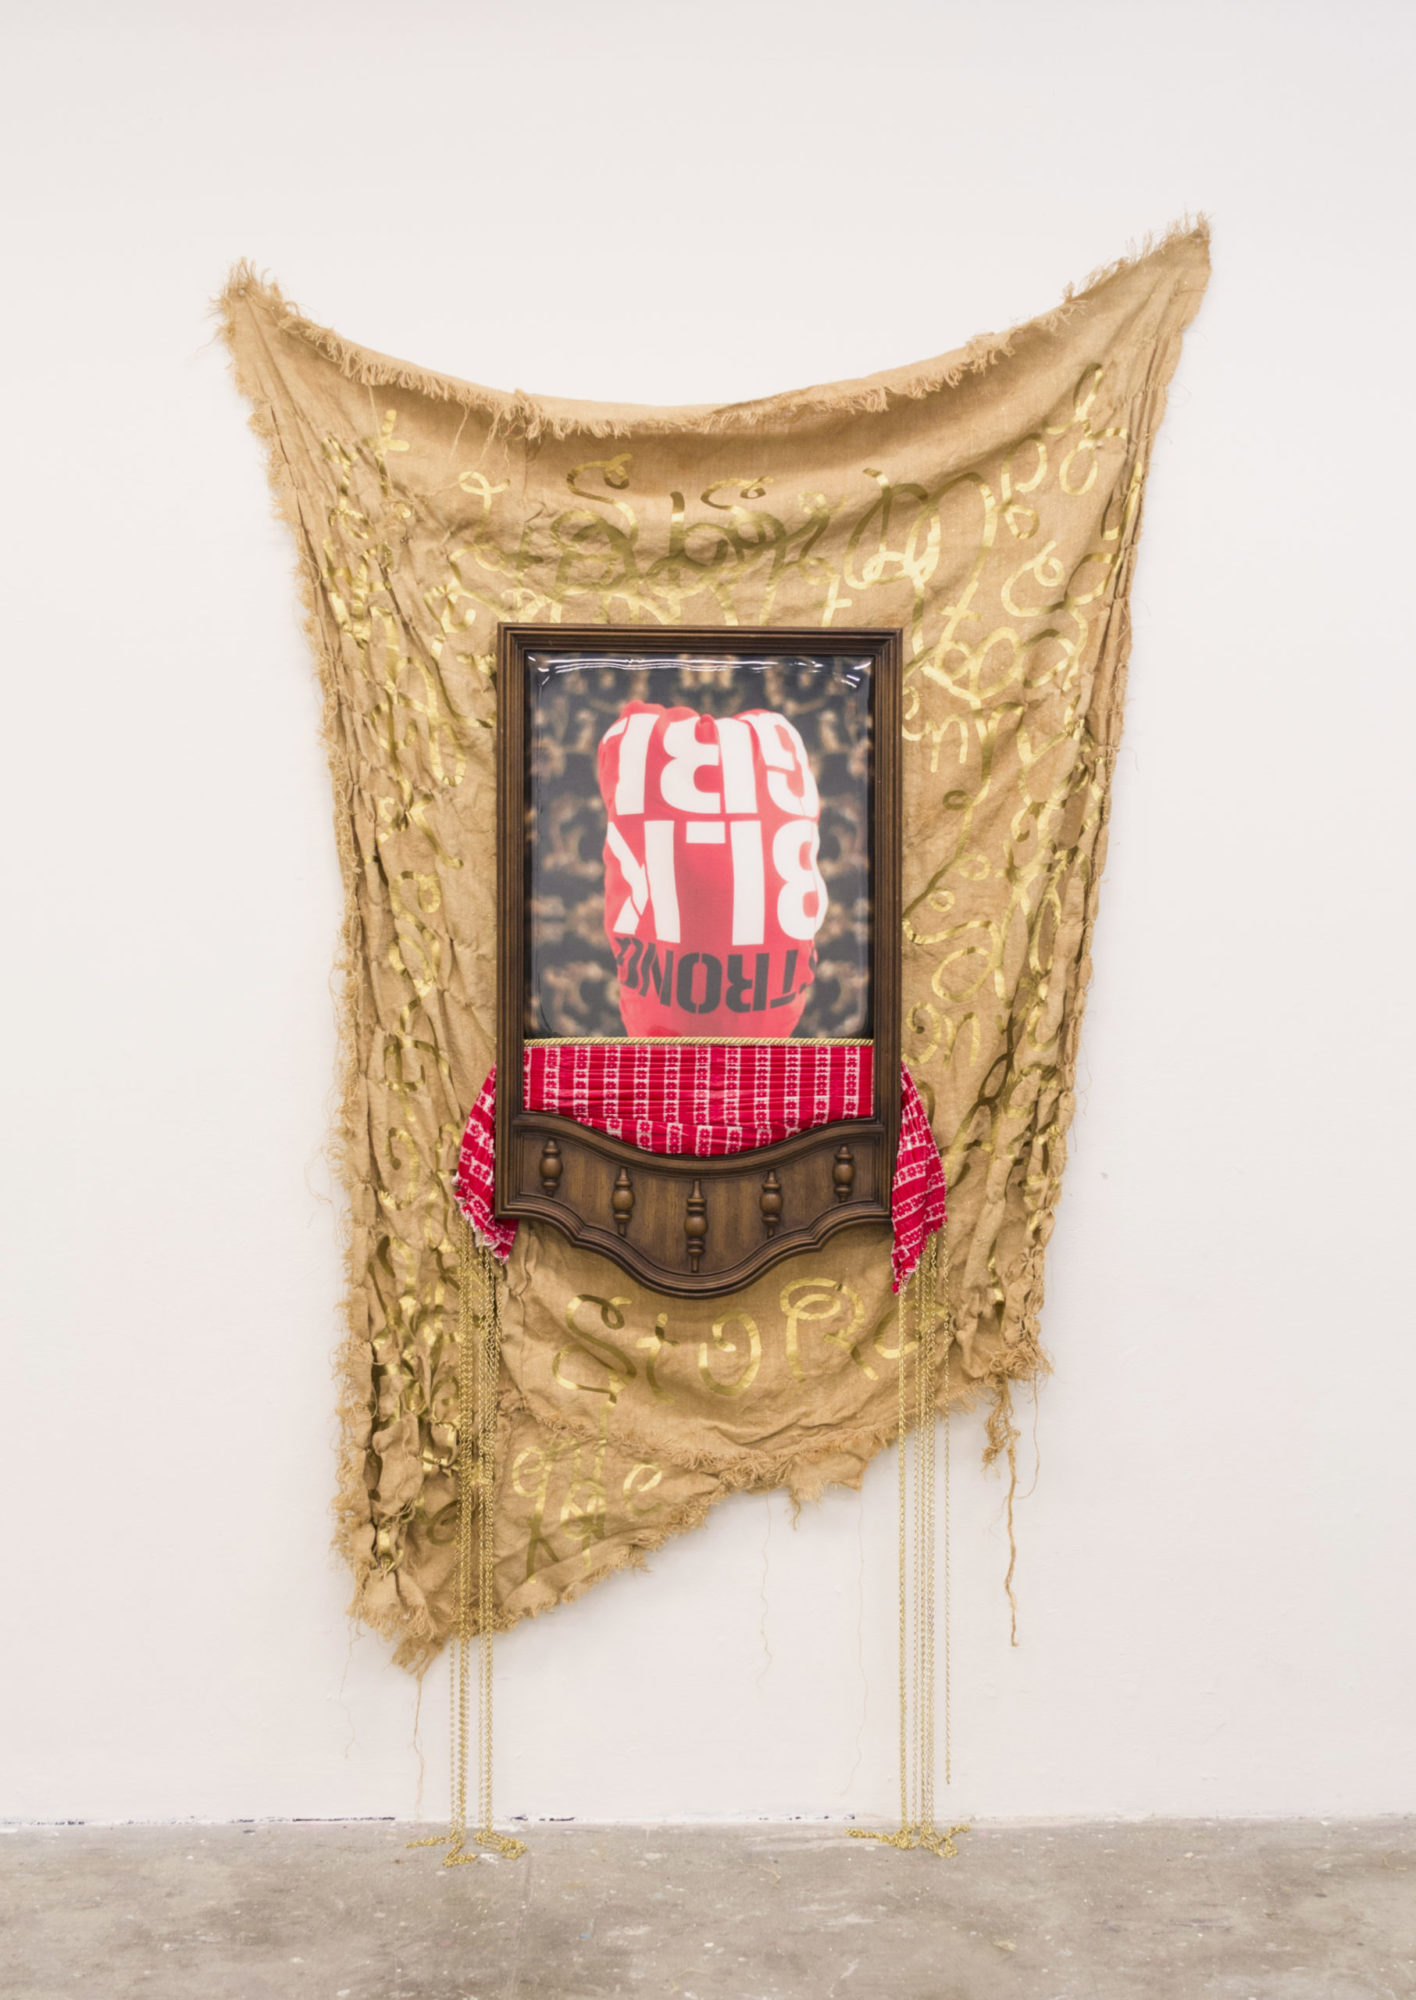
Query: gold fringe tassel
478	1378
925	1301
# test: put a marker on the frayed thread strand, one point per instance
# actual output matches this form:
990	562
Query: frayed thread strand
516	412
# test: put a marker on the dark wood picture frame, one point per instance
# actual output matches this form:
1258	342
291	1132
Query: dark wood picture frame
682	1224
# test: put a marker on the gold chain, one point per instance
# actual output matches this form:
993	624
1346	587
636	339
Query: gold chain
925	1304
907	1316
478	1380
479	1365
948	1319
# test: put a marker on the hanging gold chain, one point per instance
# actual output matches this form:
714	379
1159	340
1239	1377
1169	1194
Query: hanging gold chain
479	1365
948	1323
908	1316
478	1378
925	1305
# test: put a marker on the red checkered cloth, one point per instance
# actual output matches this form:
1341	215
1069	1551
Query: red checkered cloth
704	1098
708	1099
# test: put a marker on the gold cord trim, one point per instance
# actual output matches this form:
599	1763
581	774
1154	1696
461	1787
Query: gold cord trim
925	1302
478	1379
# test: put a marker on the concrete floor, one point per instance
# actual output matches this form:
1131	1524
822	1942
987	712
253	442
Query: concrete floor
1161	1911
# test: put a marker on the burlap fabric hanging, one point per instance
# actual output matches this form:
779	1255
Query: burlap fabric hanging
988	503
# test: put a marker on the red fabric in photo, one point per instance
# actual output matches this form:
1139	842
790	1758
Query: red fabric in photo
713	896
708	1100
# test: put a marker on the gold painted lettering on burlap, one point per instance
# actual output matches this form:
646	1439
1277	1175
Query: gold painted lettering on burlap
654	1345
814	1302
536	1464
582	1513
739	1384
568	1486
621	1368
641	1480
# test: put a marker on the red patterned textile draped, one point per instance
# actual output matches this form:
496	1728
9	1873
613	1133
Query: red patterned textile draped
918	1194
474	1188
708	1099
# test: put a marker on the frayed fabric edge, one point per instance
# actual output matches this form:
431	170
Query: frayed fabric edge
518	413
409	1626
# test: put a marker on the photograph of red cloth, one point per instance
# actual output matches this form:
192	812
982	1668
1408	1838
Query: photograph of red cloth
708	1099
713	896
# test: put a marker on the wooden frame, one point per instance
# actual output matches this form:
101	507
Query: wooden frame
679	1223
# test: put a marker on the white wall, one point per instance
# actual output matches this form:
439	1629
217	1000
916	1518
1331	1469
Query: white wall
1217	1564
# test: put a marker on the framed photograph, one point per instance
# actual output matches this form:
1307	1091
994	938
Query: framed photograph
698	851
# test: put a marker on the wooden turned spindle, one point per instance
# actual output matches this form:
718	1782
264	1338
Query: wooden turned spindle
622	1200
551	1165
695	1224
843	1173
770	1202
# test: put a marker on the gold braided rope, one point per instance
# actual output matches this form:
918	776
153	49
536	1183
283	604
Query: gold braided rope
478	1378
925	1306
